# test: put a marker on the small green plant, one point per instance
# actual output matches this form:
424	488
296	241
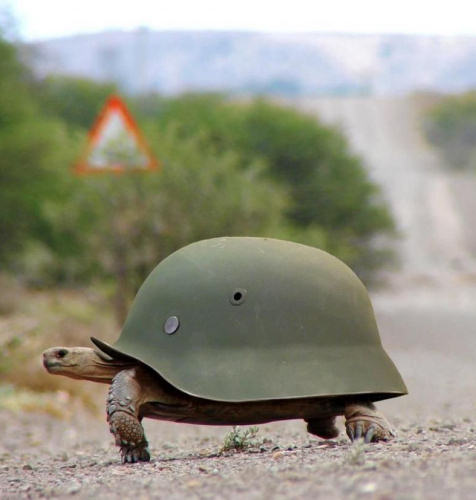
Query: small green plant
240	439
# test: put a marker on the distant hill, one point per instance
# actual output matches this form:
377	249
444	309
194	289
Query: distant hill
284	64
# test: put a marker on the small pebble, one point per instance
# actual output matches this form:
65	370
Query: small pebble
368	488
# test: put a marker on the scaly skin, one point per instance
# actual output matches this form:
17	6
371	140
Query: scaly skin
123	403
136	392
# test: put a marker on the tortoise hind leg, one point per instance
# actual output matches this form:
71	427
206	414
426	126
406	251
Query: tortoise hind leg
322	427
362	420
123	417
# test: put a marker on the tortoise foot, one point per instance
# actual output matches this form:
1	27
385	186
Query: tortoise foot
129	436
364	422
131	455
369	432
322	427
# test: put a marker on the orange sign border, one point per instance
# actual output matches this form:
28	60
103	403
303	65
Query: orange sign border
114	104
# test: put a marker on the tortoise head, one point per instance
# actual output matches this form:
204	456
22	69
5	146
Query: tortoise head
81	363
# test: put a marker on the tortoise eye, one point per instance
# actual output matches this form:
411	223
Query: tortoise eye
61	353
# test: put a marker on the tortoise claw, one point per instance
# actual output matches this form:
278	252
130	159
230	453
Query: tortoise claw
145	455
369	434
350	432
134	455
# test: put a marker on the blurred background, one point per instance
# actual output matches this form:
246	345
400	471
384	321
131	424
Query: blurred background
348	127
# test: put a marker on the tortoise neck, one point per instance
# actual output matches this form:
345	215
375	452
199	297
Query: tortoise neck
105	371
99	368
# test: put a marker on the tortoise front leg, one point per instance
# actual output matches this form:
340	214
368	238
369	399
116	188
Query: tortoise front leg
362	420
123	417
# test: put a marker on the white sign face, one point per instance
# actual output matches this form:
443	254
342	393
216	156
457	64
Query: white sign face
115	143
117	146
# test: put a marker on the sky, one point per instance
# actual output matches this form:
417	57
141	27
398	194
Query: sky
40	19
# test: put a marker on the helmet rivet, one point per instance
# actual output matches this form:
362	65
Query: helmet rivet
237	297
171	325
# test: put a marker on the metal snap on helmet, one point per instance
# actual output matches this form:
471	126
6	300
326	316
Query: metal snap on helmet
247	319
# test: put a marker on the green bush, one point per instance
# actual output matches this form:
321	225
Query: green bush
228	168
32	150
450	125
76	101
127	223
332	200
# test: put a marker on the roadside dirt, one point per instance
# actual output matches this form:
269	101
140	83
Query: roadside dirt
427	319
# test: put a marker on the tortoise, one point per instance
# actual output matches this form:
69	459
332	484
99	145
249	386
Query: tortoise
241	331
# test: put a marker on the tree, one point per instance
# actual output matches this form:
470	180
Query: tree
333	201
229	168
76	101
129	222
450	125
31	150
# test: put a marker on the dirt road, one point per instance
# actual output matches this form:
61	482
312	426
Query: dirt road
427	319
43	457
435	207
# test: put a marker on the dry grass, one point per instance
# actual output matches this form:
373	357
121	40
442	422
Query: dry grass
31	321
59	404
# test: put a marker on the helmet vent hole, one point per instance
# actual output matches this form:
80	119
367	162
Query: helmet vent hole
238	296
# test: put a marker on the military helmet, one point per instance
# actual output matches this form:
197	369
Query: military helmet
247	319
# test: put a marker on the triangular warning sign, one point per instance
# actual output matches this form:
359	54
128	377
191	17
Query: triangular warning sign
115	143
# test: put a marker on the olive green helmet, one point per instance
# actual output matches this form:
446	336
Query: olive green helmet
247	319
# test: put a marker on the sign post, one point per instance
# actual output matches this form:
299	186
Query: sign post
116	145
